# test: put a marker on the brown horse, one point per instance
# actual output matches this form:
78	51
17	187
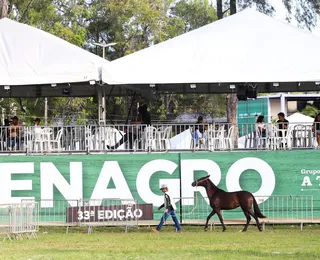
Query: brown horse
220	200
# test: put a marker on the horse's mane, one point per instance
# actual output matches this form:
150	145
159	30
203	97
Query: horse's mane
207	177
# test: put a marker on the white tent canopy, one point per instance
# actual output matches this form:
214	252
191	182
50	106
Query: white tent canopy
298	118
248	47
30	57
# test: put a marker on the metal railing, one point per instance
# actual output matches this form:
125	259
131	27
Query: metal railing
155	138
90	213
128	212
19	219
277	209
54	213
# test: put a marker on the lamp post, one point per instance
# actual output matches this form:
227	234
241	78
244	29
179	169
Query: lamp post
104	46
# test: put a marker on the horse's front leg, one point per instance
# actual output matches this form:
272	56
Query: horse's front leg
221	220
208	218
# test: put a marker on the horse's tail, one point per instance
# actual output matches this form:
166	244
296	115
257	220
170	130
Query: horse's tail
257	209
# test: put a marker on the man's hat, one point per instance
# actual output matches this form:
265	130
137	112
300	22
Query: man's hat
163	186
15	117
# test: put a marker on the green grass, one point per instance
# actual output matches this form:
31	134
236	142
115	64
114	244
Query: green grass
276	242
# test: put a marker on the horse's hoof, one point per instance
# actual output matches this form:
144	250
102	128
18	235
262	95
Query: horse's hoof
206	229
223	230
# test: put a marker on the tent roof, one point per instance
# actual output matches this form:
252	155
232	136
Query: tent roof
248	47
300	118
30	57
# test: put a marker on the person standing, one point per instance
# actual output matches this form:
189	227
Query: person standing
37	122
169	210
316	129
15	131
144	116
282	122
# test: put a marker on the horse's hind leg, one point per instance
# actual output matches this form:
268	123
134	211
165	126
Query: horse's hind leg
221	220
256	219
208	218
246	213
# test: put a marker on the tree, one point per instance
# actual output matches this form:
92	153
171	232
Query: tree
186	16
311	111
304	12
3	8
133	24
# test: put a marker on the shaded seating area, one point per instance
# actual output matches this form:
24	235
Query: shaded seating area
156	138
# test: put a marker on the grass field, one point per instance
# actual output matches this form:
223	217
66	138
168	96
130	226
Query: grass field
276	242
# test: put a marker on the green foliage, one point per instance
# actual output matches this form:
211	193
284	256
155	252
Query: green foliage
310	111
72	110
188	15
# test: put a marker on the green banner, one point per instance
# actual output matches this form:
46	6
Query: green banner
248	112
277	179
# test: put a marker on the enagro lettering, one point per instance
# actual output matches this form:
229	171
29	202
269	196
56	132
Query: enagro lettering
50	177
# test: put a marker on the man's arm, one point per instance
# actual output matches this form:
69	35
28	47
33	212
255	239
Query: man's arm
161	206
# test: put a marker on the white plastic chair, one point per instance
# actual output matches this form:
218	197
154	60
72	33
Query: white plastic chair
216	138
273	139
150	138
40	138
261	141
56	143
286	139
163	138
110	136
229	140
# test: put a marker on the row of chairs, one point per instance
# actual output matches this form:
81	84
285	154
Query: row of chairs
216	139
275	138
43	139
148	138
155	139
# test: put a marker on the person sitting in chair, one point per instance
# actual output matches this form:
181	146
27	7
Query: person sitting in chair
261	126
199	132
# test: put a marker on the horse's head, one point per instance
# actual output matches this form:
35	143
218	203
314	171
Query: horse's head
201	182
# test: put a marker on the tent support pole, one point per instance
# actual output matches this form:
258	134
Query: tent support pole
129	111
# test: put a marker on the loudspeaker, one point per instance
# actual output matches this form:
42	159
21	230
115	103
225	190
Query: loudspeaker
66	91
252	92
242	92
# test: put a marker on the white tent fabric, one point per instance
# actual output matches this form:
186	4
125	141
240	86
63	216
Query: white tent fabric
298	118
30	56
246	47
